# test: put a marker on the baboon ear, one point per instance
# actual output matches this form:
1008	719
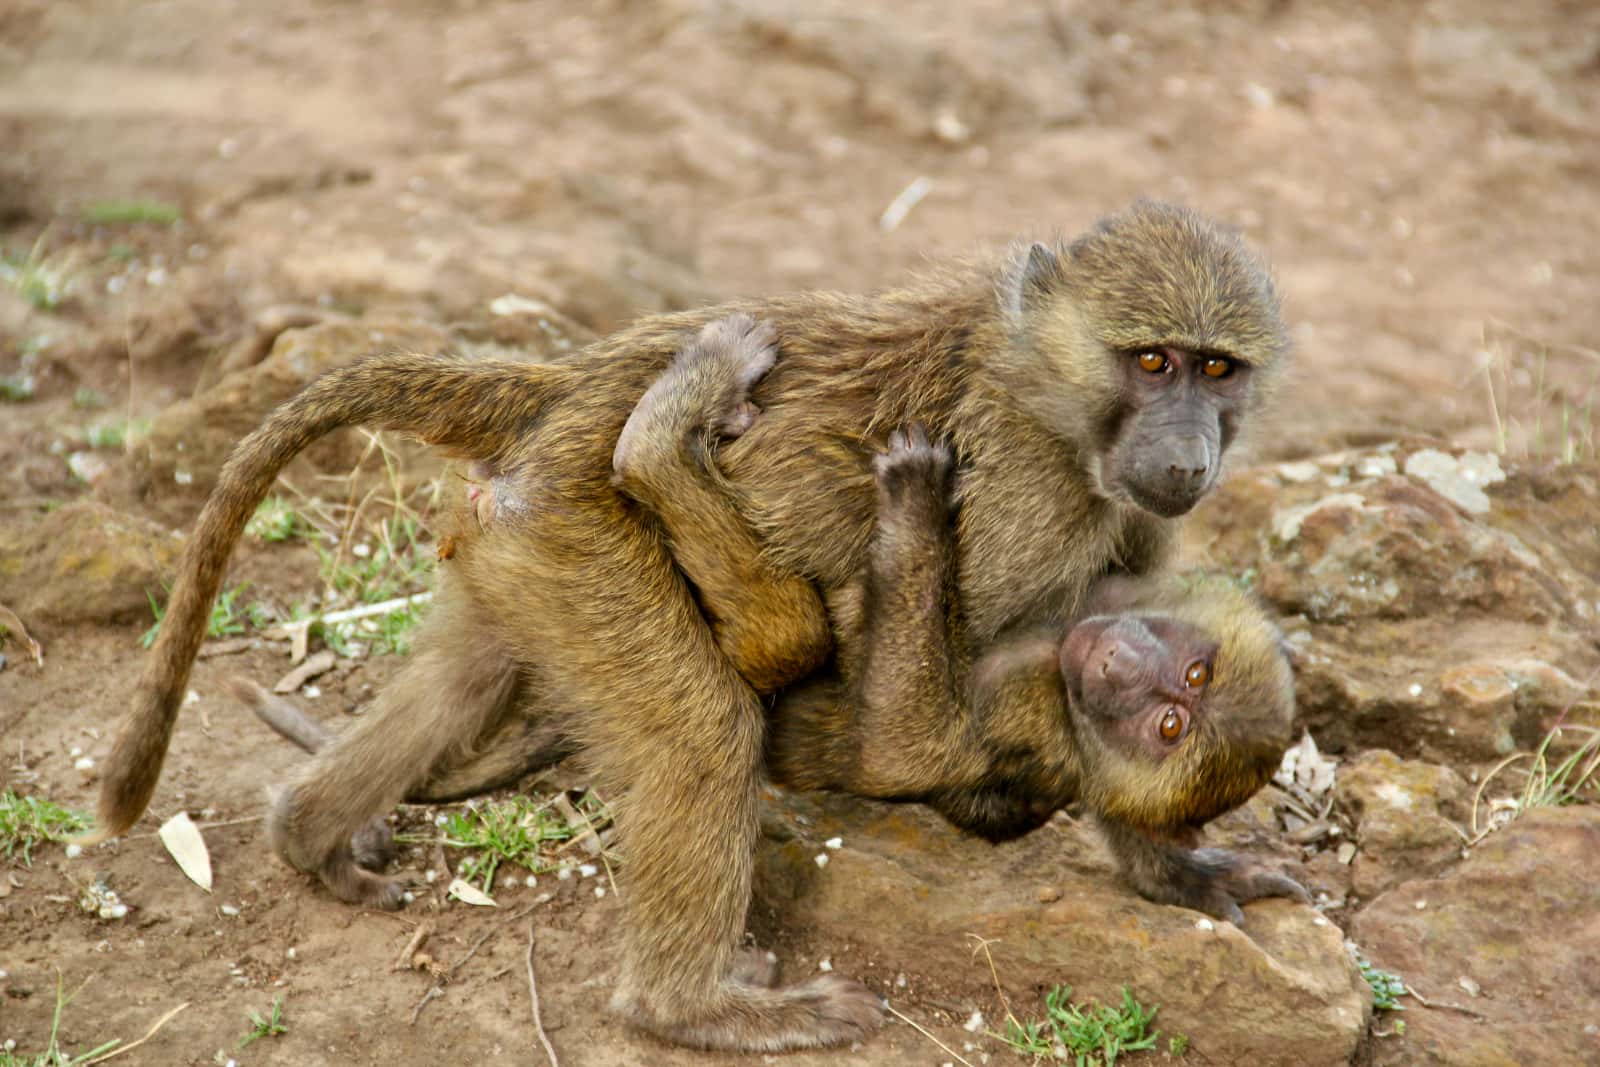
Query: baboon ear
1040	276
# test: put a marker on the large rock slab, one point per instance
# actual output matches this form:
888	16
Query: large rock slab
1512	935
85	562
1435	604
905	892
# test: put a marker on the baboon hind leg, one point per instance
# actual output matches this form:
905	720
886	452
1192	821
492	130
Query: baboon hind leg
453	689
675	734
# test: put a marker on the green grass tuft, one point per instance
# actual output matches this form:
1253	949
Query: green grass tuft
26	821
1093	1035
121	212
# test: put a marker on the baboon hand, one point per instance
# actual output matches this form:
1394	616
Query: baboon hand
1236	881
746	348
913	470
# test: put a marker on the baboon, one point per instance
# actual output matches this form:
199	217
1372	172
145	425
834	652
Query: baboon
1091	388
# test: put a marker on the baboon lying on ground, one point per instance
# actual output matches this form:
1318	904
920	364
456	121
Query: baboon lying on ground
1091	391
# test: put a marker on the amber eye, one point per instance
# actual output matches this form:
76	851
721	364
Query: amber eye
1198	674
1217	367
1152	362
1171	725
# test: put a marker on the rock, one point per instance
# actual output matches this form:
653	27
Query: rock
84	563
907	891
1433	604
1406	815
190	440
1518	921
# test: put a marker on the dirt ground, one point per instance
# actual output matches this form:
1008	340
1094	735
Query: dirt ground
1424	177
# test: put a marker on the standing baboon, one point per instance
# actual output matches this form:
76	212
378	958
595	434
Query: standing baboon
1092	390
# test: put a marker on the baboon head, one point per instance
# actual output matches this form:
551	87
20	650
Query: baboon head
1144	344
1182	697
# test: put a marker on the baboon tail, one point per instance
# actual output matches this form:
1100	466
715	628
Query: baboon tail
475	408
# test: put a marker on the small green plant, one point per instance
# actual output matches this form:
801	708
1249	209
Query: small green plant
106	434
225	621
26	821
276	519
1094	1035
393	567
1554	421
120	212
1177	1044
39	279
87	399
517	830
1386	987
17	387
265	1026
54	1055
1547	784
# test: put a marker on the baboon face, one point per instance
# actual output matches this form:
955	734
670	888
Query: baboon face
1139	680
1180	411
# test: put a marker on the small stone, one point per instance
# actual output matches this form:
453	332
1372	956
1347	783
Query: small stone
825	964
1048	894
74	851
1347	852
1204	924
822	859
1472	987
834	843
291	953
83	763
1421	905
974	1022
229	909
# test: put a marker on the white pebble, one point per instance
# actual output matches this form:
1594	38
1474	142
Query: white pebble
361	551
1421	905
311	692
599	890
75	752
440	820
291	953
1319	921
229	909
1204	924
1415	690
974	1022
565	874
83	763
73	852
834	843
115	911
588	870
825	964
530	881
191	697
409	897
900	981
430	875
183	477
822	859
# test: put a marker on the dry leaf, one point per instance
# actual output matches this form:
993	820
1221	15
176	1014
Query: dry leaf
321	663
468	893
183	841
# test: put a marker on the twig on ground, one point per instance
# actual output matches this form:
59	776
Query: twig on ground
919	1028
533	1000
983	945
159	1023
471	952
1444	1005
433	991
418	936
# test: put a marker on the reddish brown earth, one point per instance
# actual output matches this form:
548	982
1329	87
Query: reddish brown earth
1424	176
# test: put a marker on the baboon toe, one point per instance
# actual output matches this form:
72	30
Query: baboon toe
845	1011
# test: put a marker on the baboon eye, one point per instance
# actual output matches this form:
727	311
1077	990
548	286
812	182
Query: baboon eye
1198	674
1152	362
1171	725
1217	367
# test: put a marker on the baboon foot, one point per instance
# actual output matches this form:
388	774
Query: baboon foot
742	1018
913	466
707	387
341	870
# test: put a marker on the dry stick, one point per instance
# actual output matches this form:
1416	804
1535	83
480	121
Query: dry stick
151	1033
403	961
918	1027
433	991
1443	1005
533	999
983	944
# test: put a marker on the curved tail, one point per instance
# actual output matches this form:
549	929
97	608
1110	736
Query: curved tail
477	409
